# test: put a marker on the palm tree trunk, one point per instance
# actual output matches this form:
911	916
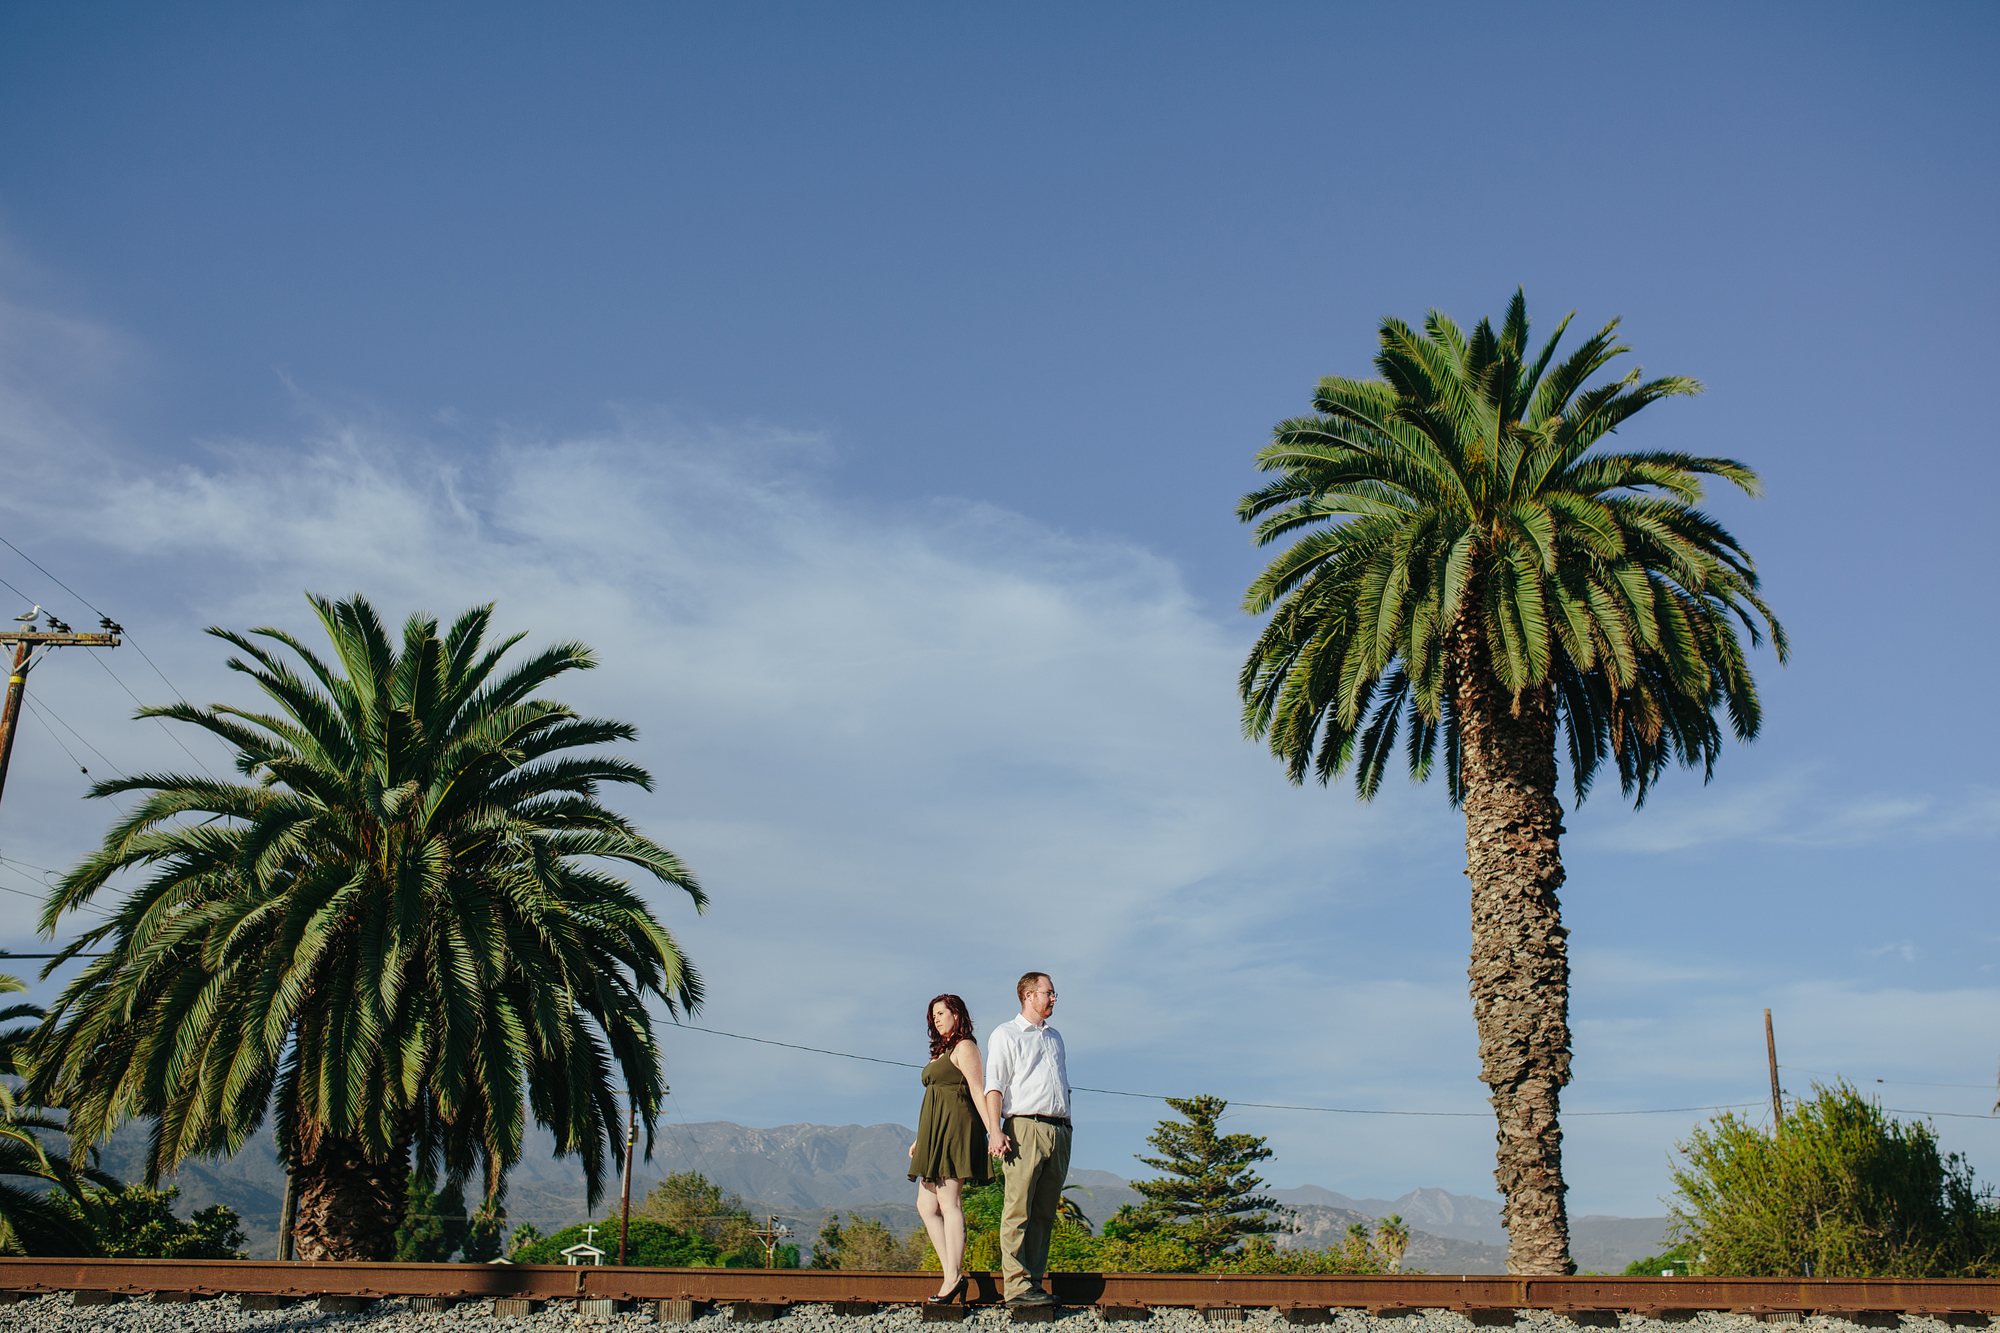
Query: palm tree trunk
348	1206
1520	955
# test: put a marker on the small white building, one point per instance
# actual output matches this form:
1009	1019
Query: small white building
583	1254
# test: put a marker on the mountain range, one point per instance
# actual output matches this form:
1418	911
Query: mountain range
801	1174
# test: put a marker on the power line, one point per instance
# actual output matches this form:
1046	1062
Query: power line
53	736
17	592
58	582
9	865
84	740
158	722
1160	1097
65	749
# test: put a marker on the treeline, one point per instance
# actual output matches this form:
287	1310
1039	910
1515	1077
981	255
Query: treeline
685	1221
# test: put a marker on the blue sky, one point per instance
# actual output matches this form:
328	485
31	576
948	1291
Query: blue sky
872	385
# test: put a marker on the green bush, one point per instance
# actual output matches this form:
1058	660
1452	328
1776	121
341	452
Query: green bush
138	1223
1675	1262
1839	1190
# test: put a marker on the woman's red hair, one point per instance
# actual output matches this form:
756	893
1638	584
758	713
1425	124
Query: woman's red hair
963	1032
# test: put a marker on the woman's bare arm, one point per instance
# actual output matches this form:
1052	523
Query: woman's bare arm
965	1056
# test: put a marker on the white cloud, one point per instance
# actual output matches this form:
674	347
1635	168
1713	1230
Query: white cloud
1795	810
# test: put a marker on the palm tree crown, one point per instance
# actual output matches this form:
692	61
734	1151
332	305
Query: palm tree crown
394	930
1459	495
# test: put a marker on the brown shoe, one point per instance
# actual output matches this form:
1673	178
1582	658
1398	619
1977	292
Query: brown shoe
1032	1296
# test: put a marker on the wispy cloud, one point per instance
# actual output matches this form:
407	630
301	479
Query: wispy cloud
1793	810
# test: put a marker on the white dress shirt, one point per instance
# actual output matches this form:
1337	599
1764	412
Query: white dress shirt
1024	1064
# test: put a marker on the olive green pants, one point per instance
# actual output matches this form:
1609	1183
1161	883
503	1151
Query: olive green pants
1036	1172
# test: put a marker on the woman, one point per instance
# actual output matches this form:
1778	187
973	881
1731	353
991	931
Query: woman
951	1145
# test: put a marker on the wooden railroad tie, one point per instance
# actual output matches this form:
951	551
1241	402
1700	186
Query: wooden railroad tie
678	1311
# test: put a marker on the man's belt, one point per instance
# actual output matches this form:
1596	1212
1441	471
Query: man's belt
1062	1120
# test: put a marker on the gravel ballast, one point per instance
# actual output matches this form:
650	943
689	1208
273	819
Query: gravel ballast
57	1314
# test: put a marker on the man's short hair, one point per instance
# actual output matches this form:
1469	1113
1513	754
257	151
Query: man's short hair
1027	983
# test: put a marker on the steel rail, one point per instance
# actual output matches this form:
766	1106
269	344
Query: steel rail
1471	1293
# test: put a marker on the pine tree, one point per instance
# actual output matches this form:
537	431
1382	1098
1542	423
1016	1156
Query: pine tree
1208	1194
826	1252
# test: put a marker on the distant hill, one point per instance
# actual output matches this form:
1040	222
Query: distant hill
802	1173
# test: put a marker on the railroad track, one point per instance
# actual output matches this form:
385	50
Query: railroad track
754	1294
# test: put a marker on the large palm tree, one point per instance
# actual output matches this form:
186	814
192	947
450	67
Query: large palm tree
396	930
1471	573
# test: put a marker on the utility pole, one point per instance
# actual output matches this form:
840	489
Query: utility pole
27	640
772	1233
287	1214
625	1205
1777	1099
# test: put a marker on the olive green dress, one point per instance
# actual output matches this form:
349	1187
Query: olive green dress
951	1138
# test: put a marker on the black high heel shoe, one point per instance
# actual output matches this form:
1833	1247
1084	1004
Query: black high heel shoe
949	1297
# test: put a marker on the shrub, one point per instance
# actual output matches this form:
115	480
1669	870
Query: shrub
1838	1190
138	1223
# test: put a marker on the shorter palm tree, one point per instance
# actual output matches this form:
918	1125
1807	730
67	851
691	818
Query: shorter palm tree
396	933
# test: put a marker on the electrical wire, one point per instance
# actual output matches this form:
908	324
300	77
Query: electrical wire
1160	1097
53	736
81	738
158	722
43	896
18	593
122	812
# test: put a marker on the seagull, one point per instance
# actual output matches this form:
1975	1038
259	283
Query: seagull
30	617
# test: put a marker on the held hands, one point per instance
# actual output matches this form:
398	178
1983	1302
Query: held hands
997	1145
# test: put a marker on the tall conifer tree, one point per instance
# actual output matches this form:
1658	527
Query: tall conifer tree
1208	1194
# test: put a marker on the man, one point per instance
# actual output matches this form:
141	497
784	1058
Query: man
1027	1093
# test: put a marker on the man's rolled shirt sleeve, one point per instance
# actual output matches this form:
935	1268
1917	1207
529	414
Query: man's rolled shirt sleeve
999	1062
